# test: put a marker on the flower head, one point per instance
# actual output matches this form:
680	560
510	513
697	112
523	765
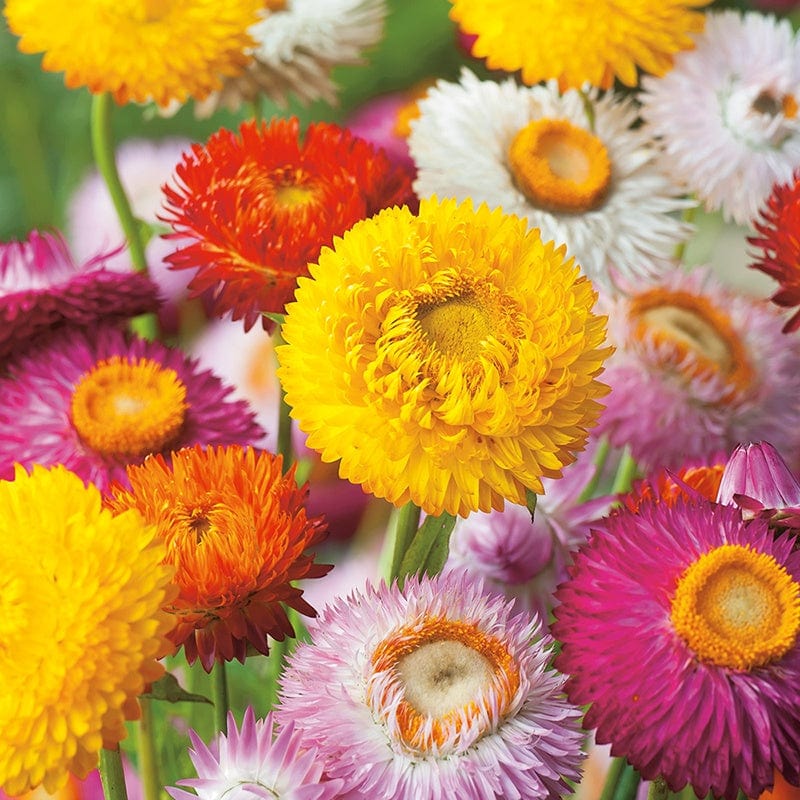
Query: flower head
758	480
237	532
697	478
139	50
248	764
41	287
297	45
697	369
98	402
778	239
259	206
447	358
579	40
590	183
688	607
81	628
434	691
727	112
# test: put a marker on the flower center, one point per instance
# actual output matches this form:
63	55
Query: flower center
445	683
692	335
275	5
289	195
737	608
458	326
152	10
126	408
409	111
559	166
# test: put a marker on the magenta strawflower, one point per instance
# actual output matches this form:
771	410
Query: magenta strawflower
759	481
99	401
42	287
679	626
255	763
434	691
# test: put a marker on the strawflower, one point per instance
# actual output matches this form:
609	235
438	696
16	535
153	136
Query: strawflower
43	287
587	179
248	764
448	358
98	402
698	368
668	485
579	41
257	207
778	243
82	625
435	691
727	112
236	532
297	45
688	607
139	50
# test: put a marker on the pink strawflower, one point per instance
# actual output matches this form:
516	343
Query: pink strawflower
99	401
42	287
255	763
759	481
697	369
526	560
434	691
679	626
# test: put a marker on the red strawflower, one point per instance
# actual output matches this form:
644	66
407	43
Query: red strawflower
260	205
779	241
668	486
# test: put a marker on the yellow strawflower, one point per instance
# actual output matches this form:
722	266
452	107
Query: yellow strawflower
447	358
81	625
140	50
579	41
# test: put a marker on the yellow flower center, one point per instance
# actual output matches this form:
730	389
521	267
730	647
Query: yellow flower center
409	111
446	671
559	166
683	325
128	408
737	608
457	326
289	195
151	10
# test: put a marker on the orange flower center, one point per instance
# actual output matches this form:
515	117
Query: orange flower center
693	336
455	682
126	408
409	111
559	166
737	608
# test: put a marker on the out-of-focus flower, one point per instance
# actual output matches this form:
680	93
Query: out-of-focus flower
98	402
236	532
448	358
667	485
248	764
139	50
778	239
688	607
246	360
297	44
258	207
42	287
759	482
524	559
727	112
579	41
775	5
82	594
590	182
143	165
433	691
697	370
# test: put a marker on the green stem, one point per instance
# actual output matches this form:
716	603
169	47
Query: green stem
104	156
658	790
612	778
600	458
626	472
277	651
284	418
219	692
112	775
148	758
688	216
406	523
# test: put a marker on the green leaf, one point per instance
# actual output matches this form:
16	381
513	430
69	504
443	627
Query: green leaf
429	547
530	501
279	318
168	688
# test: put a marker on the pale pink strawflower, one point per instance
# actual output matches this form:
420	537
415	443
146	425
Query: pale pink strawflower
434	691
43	287
256	762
